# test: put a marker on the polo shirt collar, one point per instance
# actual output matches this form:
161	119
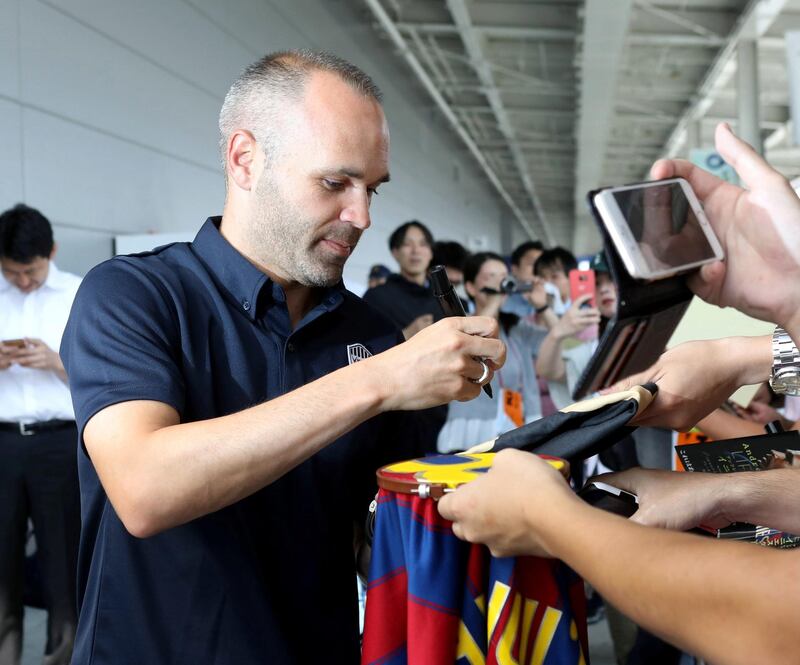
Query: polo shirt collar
242	281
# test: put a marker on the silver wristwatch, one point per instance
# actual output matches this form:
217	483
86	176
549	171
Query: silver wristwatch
785	378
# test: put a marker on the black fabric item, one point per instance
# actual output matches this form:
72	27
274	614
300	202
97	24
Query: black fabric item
39	479
575	435
402	301
621	456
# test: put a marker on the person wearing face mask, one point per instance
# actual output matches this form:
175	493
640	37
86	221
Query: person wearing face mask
516	391
405	298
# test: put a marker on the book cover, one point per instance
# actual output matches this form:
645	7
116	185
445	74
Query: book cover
752	453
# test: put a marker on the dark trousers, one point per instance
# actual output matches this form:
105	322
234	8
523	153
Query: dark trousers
39	480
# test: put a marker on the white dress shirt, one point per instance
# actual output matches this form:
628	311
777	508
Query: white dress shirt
34	395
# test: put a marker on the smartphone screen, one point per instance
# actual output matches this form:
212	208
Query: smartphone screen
664	225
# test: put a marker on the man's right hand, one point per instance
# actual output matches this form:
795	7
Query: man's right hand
439	364
759	229
696	377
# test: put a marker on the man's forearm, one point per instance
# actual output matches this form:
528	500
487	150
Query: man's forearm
726	602
767	498
179	472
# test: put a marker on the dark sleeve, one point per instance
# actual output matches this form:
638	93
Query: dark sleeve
121	342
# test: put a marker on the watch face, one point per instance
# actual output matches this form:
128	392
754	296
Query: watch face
786	382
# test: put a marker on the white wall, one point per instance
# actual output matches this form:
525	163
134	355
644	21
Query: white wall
108	113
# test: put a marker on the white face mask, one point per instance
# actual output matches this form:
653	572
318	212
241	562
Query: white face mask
461	292
558	305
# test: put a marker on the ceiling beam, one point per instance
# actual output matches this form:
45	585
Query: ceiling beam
474	44
496	31
756	19
408	55
605	25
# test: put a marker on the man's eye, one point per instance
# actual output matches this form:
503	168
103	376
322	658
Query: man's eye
333	185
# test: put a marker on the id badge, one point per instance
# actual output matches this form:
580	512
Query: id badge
513	407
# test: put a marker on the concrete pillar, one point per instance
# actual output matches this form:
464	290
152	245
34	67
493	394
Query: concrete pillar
747	92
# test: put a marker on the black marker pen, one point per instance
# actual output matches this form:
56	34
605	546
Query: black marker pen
449	301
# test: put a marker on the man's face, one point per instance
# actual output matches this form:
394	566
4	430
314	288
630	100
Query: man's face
557	277
414	254
27	277
312	198
524	271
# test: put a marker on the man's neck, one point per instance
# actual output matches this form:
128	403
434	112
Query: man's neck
414	279
300	299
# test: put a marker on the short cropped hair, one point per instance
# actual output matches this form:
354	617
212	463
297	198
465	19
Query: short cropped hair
523	249
472	266
25	234
449	253
399	234
256	99
558	257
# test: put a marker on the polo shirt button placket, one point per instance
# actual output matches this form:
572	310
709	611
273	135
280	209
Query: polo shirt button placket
290	347
246	305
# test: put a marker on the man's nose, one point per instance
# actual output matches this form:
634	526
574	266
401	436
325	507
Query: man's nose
357	211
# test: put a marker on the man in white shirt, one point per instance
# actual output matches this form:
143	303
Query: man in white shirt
38	438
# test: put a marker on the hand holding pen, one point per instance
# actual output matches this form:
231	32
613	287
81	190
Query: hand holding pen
451	305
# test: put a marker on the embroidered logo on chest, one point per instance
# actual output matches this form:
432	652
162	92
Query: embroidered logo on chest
356	352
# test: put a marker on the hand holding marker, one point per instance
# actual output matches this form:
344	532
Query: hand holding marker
451	305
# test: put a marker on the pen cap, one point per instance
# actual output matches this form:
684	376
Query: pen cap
440	284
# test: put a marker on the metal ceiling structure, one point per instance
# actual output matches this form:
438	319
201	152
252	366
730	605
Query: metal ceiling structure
556	97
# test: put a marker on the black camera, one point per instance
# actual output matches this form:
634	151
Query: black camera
509	285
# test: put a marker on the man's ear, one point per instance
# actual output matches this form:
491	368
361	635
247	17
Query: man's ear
241	159
53	252
469	287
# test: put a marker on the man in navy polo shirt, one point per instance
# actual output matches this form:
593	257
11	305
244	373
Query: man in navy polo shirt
229	435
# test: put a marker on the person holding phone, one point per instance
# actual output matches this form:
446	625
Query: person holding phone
38	464
563	355
724	601
516	388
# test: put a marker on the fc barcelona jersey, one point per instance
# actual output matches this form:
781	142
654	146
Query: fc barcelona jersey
435	600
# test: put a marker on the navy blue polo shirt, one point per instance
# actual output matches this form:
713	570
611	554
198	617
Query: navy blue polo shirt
269	579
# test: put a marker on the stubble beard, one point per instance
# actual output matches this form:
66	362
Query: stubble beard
282	238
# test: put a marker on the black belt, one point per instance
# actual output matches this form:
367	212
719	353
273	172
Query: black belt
28	429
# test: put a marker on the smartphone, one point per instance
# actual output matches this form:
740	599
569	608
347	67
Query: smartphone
658	228
18	343
581	282
610	498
